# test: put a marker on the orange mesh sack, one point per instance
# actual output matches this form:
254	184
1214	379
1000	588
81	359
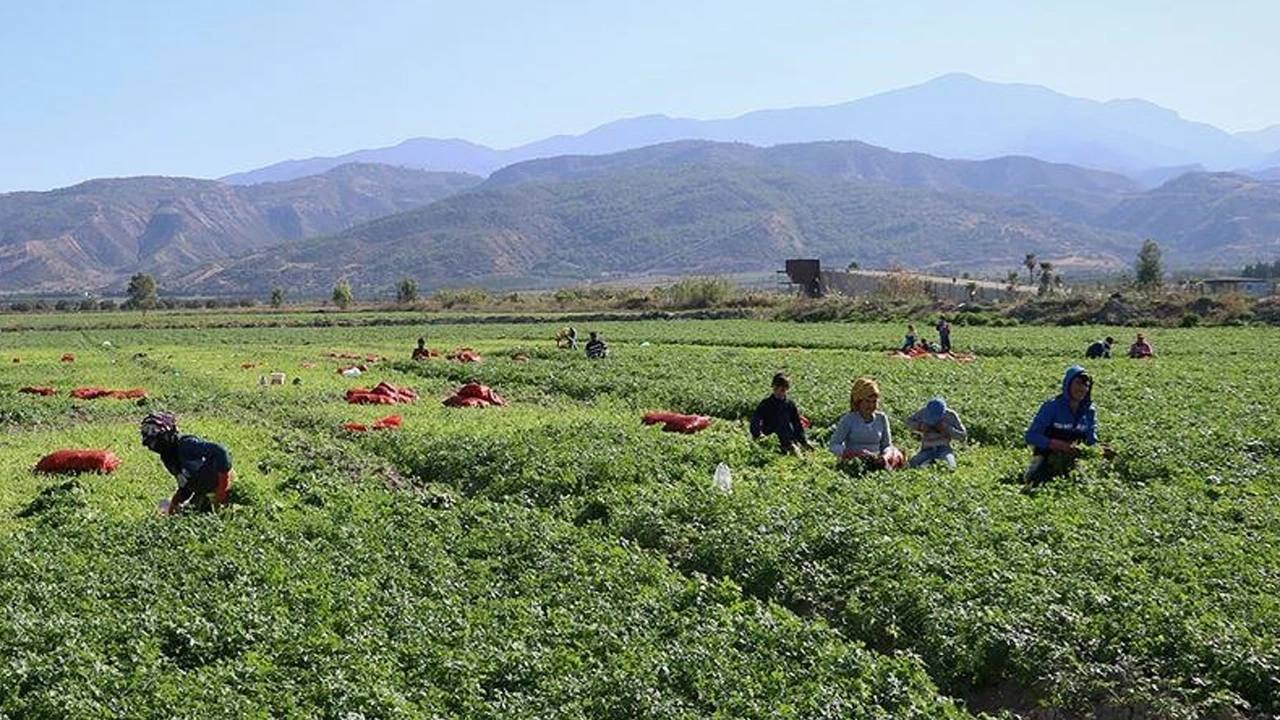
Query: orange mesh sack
78	461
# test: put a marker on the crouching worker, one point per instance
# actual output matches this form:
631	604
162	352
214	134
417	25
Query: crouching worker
596	347
421	352
862	435
202	468
1060	427
938	425
778	415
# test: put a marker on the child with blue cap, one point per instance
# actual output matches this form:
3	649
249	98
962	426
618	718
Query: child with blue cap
937	425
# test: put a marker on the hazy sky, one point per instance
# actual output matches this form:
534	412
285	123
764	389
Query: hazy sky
204	88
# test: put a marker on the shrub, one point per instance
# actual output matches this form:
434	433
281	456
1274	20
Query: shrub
697	293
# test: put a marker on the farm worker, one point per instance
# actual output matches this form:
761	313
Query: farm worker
421	352
596	347
910	340
1099	348
567	338
863	433
928	345
1060	426
944	334
938	425
202	468
778	415
1141	348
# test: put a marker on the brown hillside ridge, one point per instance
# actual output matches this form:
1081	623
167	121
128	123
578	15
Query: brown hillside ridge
96	234
682	208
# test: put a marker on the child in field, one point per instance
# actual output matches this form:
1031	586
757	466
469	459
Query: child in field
421	352
863	433
938	425
596	347
1062	424
778	415
202	468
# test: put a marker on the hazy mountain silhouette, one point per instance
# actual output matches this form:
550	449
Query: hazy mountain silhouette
953	116
1267	139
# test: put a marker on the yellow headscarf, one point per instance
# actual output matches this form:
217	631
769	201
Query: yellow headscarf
862	388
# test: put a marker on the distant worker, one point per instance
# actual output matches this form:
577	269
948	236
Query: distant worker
202	468
567	338
778	415
1061	425
1100	348
421	352
863	435
944	334
1141	348
937	425
910	340
928	345
596	347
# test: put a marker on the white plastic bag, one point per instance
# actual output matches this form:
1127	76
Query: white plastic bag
723	478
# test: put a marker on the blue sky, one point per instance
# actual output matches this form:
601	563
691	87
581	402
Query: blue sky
204	88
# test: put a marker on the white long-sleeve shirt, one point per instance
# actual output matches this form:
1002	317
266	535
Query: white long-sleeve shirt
856	434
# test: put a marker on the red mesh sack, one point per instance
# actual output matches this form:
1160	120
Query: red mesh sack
78	461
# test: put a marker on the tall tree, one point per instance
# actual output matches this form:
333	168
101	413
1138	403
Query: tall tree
141	292
1046	277
1029	262
407	291
342	296
277	297
1148	269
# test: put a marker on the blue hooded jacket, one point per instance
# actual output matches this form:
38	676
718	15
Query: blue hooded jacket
196	462
1055	420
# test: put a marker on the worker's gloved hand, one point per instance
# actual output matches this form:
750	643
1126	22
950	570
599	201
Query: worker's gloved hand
1063	447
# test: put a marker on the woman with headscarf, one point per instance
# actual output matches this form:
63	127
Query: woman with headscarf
202	468
863	433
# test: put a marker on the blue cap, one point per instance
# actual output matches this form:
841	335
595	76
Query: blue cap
934	411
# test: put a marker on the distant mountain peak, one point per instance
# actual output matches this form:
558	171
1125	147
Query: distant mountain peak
955	115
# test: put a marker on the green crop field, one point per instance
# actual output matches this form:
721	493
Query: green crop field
557	558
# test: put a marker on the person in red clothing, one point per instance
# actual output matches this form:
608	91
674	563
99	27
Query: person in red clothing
1141	348
202	468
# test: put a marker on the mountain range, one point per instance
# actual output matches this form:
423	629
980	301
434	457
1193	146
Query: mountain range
953	116
574	209
704	207
94	235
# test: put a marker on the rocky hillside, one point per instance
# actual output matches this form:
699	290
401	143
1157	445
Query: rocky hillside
692	216
97	233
